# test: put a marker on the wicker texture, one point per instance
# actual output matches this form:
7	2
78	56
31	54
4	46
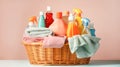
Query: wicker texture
39	55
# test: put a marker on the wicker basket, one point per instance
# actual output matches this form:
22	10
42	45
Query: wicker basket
39	55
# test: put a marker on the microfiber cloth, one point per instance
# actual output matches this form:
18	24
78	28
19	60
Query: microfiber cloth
83	45
38	32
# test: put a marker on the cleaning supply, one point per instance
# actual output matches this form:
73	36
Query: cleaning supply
72	27
34	20
49	17
41	21
59	26
92	29
85	22
31	25
65	16
77	14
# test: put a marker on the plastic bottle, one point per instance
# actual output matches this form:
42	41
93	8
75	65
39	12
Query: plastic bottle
41	21
72	27
85	22
92	29
59	26
49	17
77	14
65	16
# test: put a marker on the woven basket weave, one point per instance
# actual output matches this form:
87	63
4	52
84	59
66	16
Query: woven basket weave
39	55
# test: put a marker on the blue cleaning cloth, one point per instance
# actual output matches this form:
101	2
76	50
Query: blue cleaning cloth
83	45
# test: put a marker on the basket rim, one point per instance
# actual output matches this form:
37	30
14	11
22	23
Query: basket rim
35	43
31	43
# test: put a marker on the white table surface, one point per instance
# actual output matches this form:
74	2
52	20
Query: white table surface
25	63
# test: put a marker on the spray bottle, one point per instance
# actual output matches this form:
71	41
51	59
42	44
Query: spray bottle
85	22
77	14
72	27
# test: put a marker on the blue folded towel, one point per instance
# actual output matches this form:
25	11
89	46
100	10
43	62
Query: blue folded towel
83	45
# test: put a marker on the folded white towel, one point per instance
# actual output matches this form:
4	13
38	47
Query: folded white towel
38	32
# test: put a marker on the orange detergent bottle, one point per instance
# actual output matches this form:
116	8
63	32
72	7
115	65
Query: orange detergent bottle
77	14
59	26
72	27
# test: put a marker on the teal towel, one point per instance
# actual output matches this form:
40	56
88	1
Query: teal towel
83	45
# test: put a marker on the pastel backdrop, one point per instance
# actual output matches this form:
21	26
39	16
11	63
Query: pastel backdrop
14	16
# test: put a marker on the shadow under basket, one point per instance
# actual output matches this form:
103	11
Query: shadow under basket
53	56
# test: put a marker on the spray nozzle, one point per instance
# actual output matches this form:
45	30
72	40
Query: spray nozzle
33	19
85	21
77	11
71	17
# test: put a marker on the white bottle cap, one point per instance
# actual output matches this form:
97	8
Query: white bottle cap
71	17
41	13
48	8
30	24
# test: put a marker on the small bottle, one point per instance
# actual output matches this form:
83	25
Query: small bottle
85	22
49	17
34	20
72	27
31	25
59	26
92	29
41	21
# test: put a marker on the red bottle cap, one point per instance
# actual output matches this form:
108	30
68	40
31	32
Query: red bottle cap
59	14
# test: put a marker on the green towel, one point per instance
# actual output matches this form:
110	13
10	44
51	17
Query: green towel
83	45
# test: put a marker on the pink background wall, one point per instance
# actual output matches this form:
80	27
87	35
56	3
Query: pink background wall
14	18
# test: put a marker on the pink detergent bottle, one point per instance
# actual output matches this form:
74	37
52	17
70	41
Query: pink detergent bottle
59	26
49	17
